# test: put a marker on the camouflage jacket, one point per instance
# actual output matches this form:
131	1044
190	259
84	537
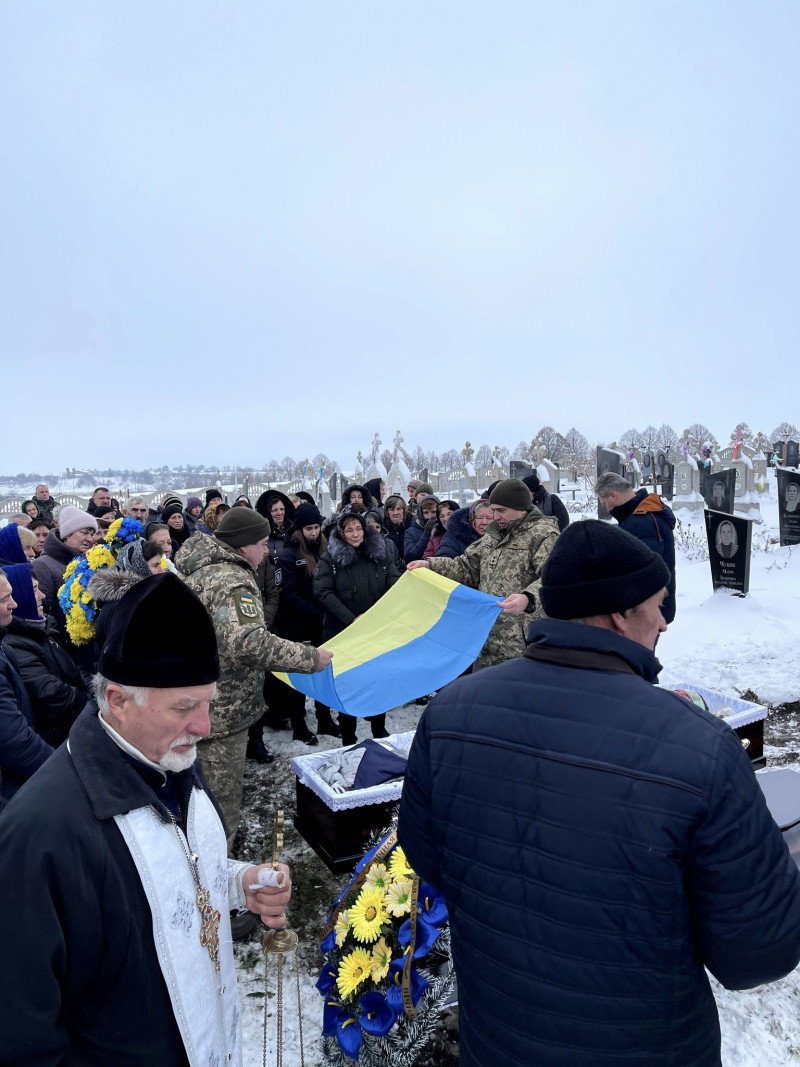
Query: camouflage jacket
227	586
500	563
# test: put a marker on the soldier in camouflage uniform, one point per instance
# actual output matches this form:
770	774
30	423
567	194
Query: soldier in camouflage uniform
506	562
221	570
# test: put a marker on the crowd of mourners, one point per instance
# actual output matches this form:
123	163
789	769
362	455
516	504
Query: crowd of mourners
319	575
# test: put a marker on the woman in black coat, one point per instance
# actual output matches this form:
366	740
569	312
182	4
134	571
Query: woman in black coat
396	521
300	615
55	686
278	510
351	576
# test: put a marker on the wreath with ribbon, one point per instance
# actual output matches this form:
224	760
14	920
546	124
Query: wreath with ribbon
388	967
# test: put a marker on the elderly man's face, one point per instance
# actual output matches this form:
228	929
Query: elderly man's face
167	729
7	601
645	622
138	512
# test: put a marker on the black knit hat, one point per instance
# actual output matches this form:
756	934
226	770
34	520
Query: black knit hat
241	526
595	568
512	493
306	515
161	637
212	494
170	510
532	482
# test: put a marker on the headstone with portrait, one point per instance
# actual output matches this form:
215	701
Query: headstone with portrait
718	489
729	544
789	506
665	475
609	461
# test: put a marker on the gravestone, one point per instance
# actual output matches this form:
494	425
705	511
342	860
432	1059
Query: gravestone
633	472
549	475
688	495
609	461
729	543
760	465
718	489
792	454
336	486
518	468
745	500
789	506
648	466
665	474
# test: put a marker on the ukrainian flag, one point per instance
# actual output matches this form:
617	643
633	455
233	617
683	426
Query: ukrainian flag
420	635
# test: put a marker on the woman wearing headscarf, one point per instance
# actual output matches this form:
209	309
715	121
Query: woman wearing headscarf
54	684
30	508
278	510
354	573
396	520
17	545
172	517
211	517
419	532
192	513
464	528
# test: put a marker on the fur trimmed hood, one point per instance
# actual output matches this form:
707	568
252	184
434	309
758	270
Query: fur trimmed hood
372	548
111	584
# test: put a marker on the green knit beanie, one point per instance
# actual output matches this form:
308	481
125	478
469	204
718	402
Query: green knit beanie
512	493
241	526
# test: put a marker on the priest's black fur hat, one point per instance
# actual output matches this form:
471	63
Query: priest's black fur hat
161	637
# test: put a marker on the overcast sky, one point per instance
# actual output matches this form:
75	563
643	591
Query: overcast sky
234	231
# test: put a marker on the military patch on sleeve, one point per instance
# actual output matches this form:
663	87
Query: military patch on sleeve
246	607
278	576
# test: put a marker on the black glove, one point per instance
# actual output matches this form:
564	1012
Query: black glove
430	525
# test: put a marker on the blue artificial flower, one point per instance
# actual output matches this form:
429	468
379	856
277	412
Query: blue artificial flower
330	1013
394	995
348	1034
329	942
377	1015
426	935
431	905
327	976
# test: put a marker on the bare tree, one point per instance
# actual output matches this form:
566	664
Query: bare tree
386	459
785	431
483	456
552	441
698	435
577	457
521	451
648	439
630	439
667	438
450	459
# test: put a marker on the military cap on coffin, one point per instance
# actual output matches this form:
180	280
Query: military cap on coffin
161	638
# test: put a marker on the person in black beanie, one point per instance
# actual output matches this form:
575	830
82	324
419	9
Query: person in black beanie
640	842
547	503
129	887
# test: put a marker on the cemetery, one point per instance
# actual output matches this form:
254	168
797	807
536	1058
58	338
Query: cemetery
733	644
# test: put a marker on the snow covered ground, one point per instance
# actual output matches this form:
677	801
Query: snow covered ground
717	640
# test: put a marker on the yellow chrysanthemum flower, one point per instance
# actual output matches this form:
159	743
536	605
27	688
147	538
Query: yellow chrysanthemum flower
74	591
398	897
353	971
398	865
378	877
367	915
71	567
341	928
164	564
381	958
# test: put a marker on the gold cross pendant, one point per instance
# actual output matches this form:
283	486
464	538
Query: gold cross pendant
209	925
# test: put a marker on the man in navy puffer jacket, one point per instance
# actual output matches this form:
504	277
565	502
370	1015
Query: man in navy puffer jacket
599	840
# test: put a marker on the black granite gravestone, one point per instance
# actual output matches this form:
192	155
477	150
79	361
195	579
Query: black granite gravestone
780	451
718	489
792	454
789	507
648	468
518	469
335	484
729	542
608	462
665	474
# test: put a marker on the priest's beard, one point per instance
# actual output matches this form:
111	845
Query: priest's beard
179	761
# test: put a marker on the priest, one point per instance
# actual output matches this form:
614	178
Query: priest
115	942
